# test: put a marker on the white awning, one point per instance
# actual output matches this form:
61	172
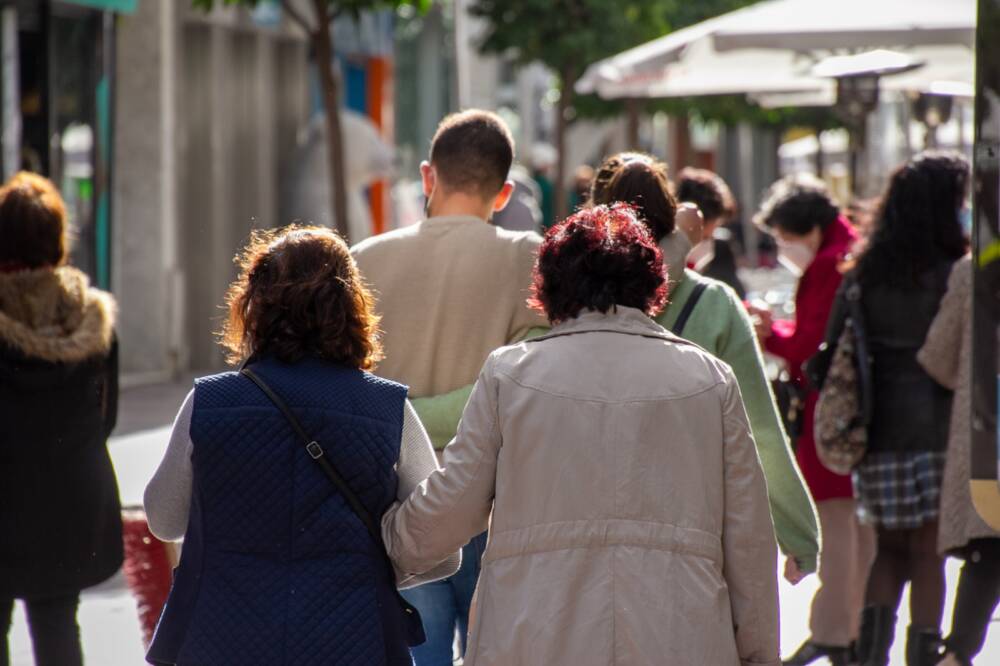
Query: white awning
771	47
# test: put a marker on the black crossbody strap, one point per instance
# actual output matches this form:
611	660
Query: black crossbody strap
316	452
414	628
692	301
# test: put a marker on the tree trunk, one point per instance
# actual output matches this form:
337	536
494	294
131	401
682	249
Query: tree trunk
632	125
330	83
820	162
568	79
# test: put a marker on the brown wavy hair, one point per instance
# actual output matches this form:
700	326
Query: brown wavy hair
300	294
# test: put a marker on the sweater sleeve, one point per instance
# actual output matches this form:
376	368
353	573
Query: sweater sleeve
792	509
440	414
749	551
524	318
454	503
942	351
167	498
797	341
416	462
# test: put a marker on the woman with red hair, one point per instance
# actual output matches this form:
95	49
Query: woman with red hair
613	461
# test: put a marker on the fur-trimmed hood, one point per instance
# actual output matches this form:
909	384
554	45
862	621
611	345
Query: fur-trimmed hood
54	315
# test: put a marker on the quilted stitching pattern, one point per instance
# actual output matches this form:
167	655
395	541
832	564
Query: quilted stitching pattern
289	569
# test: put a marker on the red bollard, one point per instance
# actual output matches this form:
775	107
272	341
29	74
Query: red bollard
148	569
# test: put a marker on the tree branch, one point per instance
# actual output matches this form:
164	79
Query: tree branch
296	16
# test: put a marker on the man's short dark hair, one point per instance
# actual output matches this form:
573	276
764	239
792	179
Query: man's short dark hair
707	191
472	152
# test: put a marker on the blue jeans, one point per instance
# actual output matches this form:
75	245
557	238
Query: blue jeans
444	605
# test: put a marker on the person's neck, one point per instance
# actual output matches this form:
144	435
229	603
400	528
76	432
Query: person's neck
459	204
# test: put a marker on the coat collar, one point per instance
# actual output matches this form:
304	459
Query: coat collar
620	319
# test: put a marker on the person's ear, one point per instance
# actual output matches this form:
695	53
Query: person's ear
503	198
428	178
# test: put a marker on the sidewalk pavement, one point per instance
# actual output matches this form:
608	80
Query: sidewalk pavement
109	621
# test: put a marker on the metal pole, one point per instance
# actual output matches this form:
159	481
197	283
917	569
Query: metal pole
10	116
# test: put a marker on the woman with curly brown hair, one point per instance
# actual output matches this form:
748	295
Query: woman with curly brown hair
628	512
278	567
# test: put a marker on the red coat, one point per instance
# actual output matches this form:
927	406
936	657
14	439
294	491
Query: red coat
796	342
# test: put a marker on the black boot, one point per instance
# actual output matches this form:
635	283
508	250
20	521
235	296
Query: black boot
810	652
923	646
878	624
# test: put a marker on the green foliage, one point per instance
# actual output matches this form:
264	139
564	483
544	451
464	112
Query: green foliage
732	109
568	35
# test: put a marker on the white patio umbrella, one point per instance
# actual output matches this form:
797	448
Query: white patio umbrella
808	25
772	46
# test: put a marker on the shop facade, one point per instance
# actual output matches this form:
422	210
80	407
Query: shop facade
57	79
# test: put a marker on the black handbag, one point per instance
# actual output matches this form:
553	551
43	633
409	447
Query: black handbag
790	398
410	616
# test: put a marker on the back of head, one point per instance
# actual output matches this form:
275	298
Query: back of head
300	294
33	230
917	224
706	190
797	204
609	167
643	184
472	152
598	258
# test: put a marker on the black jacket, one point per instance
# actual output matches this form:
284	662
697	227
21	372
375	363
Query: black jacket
59	509
910	412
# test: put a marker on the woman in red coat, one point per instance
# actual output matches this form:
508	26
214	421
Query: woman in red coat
814	238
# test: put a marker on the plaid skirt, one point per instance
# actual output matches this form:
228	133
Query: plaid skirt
899	490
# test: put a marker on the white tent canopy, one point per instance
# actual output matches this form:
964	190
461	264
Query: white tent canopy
807	25
771	47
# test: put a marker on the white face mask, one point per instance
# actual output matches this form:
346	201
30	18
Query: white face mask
796	257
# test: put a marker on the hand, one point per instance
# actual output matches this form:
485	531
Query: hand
793	574
690	222
763	320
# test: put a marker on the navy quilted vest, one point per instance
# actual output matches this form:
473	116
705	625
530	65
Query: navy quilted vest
276	568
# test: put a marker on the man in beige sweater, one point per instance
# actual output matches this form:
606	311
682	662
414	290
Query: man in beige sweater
450	290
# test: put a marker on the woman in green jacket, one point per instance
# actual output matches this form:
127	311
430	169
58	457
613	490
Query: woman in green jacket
719	324
710	314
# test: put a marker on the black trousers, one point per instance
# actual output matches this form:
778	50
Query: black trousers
55	635
976	598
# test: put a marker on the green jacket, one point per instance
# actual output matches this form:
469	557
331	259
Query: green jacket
720	324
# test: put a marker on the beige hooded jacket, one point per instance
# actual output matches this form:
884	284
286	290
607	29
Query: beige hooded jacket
630	522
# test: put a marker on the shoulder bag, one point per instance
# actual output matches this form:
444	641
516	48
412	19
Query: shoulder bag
843	411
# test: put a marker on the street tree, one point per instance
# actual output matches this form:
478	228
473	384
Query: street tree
568	35
315	18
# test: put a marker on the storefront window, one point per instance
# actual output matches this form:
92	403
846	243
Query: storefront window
56	83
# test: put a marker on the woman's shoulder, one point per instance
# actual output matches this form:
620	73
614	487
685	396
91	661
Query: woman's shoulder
718	304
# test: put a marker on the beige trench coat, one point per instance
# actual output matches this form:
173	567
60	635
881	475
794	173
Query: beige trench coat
630	523
947	357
